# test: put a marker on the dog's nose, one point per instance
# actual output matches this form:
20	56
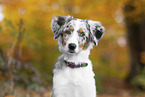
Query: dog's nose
72	46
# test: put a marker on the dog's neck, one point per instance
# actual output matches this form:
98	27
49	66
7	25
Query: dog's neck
82	56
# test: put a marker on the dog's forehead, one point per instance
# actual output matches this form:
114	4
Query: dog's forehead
77	24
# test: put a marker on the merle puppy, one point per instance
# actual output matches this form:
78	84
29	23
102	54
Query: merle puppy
73	75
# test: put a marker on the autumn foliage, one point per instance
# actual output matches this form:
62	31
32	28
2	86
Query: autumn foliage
28	50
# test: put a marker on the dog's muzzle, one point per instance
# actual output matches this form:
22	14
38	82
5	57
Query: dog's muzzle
72	47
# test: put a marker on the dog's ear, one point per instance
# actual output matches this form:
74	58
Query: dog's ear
96	31
57	23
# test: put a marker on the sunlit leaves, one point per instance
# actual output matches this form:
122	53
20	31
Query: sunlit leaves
38	45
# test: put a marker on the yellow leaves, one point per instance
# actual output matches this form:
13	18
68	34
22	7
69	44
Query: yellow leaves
38	41
37	15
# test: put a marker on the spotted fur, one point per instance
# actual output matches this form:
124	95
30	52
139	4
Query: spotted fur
95	29
76	38
57	23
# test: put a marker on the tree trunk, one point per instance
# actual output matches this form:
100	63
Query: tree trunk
135	26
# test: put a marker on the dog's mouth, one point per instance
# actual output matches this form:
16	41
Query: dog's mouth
71	51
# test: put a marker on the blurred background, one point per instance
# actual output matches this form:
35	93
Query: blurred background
28	50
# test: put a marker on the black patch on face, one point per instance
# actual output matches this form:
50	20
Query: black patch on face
61	21
87	26
98	33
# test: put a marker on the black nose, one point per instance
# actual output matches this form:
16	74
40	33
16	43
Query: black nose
72	46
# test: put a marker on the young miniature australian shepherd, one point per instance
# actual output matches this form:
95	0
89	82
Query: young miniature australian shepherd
73	75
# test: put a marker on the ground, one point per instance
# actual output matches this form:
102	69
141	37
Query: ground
117	88
111	88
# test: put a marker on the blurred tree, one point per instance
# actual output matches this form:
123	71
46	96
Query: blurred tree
37	45
134	12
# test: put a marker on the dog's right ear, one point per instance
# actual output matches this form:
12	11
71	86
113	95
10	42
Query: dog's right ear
57	23
96	31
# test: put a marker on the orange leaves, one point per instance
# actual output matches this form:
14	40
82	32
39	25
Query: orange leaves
38	44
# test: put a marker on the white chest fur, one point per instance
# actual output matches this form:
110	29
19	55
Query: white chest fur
73	82
76	38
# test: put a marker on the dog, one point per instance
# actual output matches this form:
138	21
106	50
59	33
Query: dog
73	75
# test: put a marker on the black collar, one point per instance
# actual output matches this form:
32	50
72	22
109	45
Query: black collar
74	65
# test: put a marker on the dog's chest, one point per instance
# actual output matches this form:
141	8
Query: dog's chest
76	82
74	76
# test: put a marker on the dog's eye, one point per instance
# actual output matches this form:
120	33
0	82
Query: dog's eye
82	34
67	32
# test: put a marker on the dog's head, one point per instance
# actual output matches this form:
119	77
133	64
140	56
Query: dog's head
74	34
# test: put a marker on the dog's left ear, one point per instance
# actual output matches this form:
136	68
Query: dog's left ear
96	31
57	23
